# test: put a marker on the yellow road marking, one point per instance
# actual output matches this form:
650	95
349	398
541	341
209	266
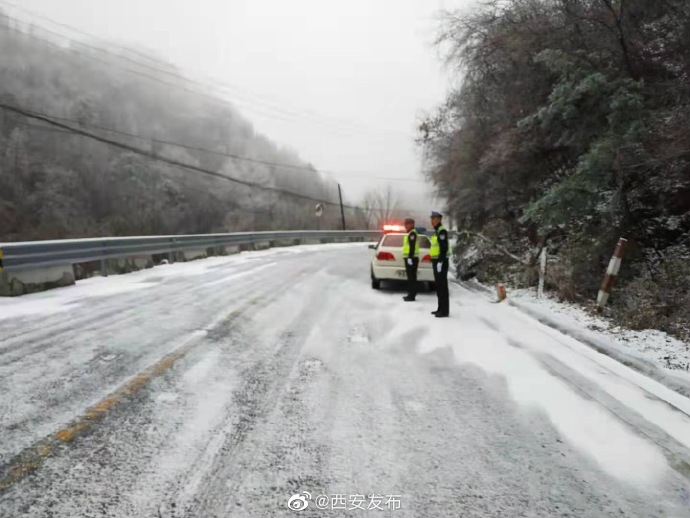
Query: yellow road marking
32	458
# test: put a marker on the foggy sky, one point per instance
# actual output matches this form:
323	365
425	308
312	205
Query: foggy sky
342	83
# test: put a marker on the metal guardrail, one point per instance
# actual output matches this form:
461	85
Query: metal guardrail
38	254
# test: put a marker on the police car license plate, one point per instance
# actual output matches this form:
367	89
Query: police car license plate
401	273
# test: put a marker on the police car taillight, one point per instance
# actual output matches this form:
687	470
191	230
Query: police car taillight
427	259
385	256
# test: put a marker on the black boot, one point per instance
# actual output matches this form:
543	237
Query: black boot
409	298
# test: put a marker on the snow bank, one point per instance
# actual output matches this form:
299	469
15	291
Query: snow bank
650	352
664	350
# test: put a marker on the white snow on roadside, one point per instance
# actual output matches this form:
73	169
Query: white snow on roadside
657	346
10	308
68	298
584	423
623	383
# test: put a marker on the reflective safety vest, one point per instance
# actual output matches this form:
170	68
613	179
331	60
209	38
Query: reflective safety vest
435	250
406	245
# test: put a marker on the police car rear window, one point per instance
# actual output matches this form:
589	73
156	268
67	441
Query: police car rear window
396	241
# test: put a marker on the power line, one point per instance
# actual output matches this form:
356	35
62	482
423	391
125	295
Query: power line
213	98
221	153
216	100
153	156
155	140
83	33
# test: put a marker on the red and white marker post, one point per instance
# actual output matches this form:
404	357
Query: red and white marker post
501	292
611	273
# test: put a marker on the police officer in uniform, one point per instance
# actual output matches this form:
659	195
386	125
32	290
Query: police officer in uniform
440	252
411	258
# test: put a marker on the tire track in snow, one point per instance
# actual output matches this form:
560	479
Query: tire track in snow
28	342
31	459
265	388
71	375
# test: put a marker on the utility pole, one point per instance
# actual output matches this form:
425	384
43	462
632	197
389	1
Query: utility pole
342	209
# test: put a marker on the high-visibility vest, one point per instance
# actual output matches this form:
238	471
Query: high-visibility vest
435	250
406	245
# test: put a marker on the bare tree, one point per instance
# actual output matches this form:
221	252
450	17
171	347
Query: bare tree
380	205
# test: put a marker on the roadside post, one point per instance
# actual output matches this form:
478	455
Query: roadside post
611	273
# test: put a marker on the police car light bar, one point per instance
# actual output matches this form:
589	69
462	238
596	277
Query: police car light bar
393	228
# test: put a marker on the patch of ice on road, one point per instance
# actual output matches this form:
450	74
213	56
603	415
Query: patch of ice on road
584	423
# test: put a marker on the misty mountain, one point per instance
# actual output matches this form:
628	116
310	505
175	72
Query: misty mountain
55	184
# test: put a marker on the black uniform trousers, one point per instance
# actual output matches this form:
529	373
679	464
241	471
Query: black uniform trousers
411	271
441	280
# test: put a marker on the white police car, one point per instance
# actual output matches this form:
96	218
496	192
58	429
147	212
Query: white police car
387	263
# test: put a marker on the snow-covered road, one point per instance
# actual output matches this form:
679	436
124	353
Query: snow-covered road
223	387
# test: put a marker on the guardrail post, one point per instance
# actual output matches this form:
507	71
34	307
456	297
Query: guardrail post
104	262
